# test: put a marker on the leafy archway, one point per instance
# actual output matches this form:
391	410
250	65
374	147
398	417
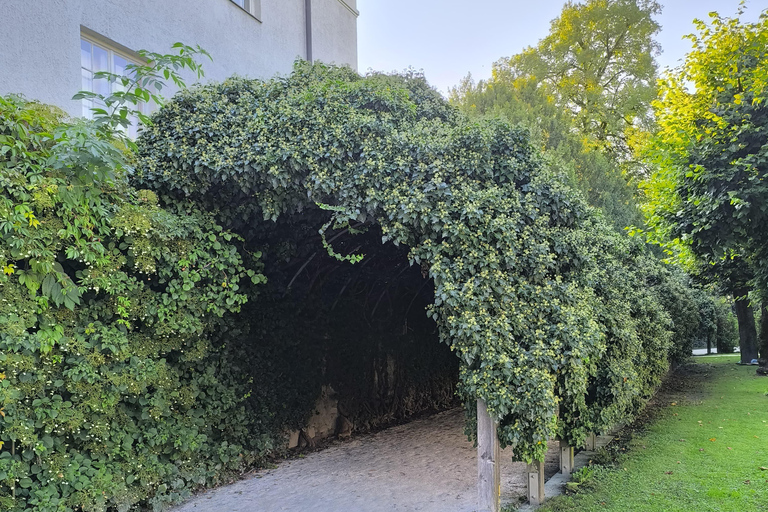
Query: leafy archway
544	305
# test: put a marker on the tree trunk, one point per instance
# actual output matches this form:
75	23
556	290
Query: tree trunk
747	331
763	368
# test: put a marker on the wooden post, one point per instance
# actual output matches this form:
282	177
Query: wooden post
536	483
566	458
488	461
591	444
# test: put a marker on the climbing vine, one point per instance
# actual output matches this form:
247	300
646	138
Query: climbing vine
545	308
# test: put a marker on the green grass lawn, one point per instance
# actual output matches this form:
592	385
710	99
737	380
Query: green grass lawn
701	448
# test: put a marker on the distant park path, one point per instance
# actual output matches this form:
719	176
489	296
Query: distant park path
426	465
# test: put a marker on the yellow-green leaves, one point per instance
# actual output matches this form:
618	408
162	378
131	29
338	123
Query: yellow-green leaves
105	303
704	197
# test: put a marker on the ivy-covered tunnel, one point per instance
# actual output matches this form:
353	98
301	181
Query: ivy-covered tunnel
333	347
137	346
364	199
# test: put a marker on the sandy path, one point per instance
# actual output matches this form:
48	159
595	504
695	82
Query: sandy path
426	465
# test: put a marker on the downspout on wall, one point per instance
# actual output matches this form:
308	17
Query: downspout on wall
308	28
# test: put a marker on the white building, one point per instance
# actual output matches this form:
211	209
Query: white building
50	48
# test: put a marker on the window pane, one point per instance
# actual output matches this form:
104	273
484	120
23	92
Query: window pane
101	86
119	64
87	104
133	130
99	104
100	59
87	82
95	58
241	3
118	68
85	54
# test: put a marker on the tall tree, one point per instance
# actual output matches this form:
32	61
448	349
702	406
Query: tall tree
584	92
598	63
710	191
524	102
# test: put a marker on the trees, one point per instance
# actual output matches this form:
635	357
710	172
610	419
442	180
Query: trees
523	101
584	92
710	192
598	63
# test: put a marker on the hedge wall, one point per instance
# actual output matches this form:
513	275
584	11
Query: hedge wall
143	353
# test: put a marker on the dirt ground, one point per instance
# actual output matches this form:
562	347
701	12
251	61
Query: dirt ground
426	465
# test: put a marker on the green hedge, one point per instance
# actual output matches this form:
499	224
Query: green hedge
108	395
129	372
522	295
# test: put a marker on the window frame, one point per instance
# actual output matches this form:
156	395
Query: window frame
112	49
252	7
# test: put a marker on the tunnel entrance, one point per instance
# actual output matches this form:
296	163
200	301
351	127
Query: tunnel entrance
334	348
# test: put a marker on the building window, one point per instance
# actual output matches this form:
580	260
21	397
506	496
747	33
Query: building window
99	57
252	7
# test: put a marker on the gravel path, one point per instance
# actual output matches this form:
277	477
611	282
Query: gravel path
426	465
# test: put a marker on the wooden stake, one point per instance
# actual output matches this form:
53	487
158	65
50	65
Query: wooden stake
13	454
536	483
488	461
591	443
566	458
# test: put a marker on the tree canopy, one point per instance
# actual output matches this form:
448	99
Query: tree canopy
596	175
584	92
708	196
598	63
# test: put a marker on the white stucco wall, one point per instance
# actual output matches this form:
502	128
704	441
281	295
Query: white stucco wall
40	40
334	31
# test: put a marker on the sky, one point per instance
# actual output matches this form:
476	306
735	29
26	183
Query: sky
448	39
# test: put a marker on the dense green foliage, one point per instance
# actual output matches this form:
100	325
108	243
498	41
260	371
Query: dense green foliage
552	129
522	290
107	398
707	201
584	92
142	353
598	64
